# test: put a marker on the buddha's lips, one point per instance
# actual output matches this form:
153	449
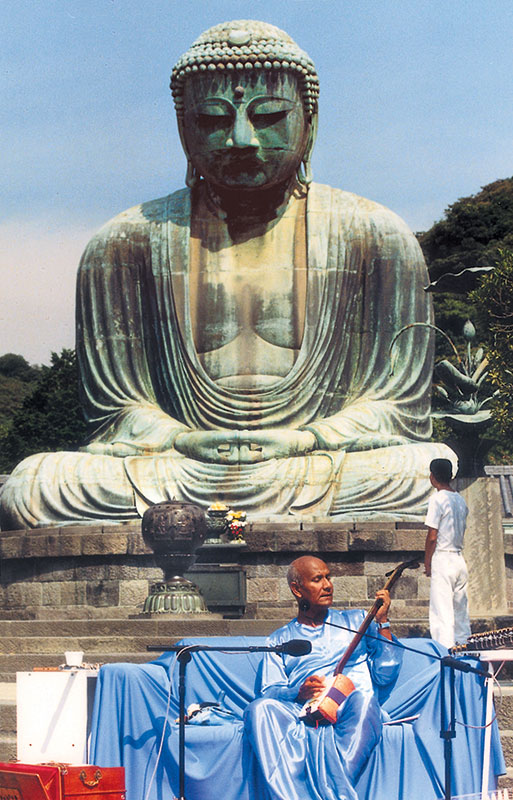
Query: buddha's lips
233	163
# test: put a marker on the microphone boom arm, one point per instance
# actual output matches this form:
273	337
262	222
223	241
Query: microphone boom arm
294	647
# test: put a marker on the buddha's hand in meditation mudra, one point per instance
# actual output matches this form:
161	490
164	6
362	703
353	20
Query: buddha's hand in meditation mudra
244	447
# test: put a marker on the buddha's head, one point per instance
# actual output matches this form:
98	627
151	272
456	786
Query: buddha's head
246	103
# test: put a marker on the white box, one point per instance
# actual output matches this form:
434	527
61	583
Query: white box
54	715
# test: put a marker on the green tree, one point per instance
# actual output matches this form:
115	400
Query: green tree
17	379
12	365
494	300
50	417
471	233
477	231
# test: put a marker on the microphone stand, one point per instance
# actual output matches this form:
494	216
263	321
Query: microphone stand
184	655
448	731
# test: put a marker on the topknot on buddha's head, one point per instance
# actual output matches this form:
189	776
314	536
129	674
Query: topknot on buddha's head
246	45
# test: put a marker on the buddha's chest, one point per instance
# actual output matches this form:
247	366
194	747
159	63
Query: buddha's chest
261	300
247	298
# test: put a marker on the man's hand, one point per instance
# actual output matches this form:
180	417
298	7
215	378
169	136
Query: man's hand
382	613
244	447
431	539
311	688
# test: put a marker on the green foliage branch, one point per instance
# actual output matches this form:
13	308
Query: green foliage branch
471	233
494	299
50	416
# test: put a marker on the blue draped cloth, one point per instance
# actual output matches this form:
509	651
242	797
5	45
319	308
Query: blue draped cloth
131	711
299	762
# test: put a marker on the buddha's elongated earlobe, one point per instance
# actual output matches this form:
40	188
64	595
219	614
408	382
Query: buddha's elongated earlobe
304	171
191	176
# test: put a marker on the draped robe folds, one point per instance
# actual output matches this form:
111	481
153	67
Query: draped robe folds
143	383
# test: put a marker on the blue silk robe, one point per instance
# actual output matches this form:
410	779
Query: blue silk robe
297	761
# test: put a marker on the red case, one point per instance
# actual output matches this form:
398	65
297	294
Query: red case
61	782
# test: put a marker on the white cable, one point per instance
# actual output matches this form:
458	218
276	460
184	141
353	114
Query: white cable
493	677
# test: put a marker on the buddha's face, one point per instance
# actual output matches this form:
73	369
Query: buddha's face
245	130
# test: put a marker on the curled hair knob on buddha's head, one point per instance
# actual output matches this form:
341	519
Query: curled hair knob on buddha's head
246	45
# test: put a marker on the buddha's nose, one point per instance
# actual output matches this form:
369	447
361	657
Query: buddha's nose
243	133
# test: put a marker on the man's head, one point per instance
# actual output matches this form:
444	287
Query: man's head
440	471
310	582
246	102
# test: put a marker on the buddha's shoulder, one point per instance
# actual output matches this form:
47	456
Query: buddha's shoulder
355	210
171	208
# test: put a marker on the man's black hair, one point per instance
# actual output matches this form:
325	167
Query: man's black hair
441	469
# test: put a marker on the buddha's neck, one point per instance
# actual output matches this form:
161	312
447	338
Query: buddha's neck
242	209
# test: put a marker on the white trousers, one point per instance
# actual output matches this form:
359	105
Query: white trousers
448	604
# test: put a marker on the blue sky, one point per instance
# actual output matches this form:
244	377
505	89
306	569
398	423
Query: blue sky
415	112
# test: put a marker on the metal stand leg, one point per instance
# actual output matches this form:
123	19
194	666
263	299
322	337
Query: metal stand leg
447	731
487	734
183	658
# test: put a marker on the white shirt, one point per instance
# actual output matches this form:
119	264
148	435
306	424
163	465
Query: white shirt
447	513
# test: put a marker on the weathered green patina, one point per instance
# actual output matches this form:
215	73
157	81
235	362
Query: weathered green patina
234	337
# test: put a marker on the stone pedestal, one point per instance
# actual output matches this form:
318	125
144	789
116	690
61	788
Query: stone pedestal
104	571
484	546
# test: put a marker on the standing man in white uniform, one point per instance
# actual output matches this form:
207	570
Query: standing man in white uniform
446	519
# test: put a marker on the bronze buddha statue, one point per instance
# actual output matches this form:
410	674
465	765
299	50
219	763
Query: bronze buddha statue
233	337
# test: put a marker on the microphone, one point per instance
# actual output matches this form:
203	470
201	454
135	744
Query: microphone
295	647
463	666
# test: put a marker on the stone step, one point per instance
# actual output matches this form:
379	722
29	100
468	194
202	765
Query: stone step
272	612
7	718
91	646
7	721
507	745
158	625
7	747
95	638
162	625
411	624
504	706
503	694
11	664
506	781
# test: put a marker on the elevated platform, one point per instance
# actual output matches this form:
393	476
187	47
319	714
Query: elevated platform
104	571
